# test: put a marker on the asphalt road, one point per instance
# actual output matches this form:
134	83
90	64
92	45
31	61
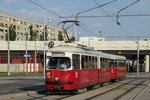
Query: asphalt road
11	85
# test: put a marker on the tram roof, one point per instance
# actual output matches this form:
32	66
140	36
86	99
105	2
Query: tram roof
71	49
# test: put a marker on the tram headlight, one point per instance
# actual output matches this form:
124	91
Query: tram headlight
56	78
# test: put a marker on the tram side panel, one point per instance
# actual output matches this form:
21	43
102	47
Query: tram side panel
121	72
86	78
113	73
104	71
113	66
121	69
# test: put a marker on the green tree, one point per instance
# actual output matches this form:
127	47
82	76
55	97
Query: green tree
73	38
33	34
12	33
60	36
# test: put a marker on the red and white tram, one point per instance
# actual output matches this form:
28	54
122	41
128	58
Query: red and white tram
73	68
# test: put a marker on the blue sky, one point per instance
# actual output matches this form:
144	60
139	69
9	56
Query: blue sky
132	25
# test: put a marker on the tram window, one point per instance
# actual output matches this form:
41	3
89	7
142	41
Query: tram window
83	62
121	63
92	63
105	62
115	63
111	64
76	61
102	63
59	63
86	62
95	62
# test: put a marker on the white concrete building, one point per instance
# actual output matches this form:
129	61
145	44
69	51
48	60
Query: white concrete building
92	39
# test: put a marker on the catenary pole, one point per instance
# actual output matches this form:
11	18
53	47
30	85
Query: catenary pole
8	53
35	58
138	56
26	54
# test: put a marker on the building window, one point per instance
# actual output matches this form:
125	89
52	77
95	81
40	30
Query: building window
6	19
18	27
35	26
6	25
2	37
1	30
18	21
21	22
1	17
25	23
14	20
26	29
1	24
18	33
21	28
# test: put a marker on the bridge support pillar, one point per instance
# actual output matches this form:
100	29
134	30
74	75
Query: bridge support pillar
147	63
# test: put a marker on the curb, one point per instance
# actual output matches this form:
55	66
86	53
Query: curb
17	95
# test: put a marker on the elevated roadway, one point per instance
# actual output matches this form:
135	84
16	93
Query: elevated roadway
125	48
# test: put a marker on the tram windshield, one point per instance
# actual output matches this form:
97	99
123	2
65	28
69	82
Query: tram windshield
59	63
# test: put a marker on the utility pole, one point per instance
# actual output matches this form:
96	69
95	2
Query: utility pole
8	53
44	47
75	33
48	21
35	58
89	40
138	56
26	54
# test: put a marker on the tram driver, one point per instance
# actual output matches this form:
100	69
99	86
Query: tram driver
65	65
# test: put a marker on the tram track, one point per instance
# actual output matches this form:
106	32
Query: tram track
47	95
95	96
118	97
67	97
140	92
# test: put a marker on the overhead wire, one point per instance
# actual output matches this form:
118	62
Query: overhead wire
117	20
87	30
127	15
94	8
123	30
56	14
99	6
76	17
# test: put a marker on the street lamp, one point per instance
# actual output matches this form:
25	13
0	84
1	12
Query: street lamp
48	21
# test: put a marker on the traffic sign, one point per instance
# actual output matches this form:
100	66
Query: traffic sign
28	56
127	60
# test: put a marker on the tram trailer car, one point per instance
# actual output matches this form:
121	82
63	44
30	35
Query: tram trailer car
72	68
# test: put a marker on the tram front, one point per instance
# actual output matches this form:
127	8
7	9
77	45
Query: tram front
58	71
